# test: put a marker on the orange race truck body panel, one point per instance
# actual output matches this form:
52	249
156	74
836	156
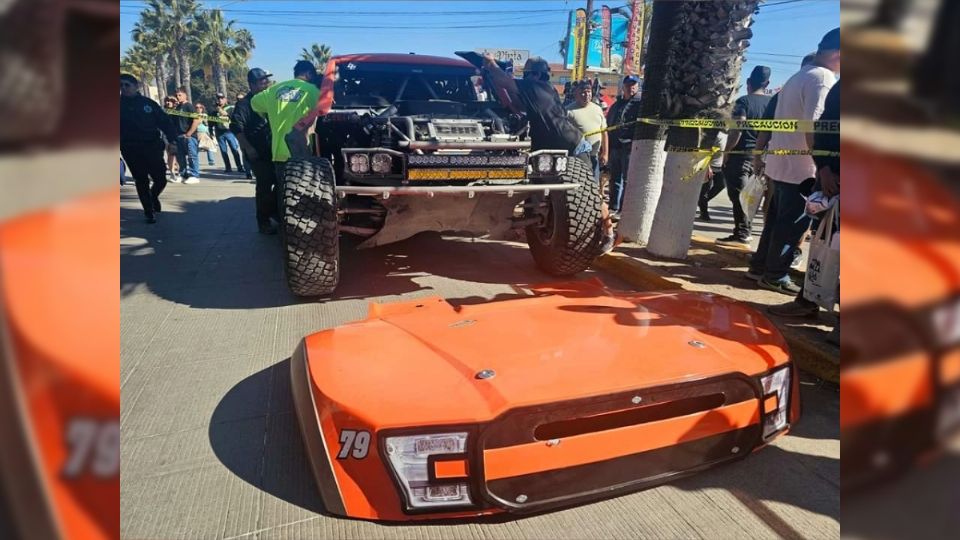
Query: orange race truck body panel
565	396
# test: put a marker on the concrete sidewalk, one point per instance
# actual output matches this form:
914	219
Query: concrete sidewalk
710	267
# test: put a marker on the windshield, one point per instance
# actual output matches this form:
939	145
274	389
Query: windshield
363	84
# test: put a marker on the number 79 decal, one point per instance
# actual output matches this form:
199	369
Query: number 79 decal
354	443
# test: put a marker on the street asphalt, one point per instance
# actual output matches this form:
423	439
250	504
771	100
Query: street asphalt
210	444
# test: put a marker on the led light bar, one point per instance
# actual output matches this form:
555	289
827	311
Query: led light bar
466	174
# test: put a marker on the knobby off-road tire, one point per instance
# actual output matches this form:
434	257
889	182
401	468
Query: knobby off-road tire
310	228
571	237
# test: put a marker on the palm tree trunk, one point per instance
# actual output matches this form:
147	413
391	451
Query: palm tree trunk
175	60
161	78
183	58
704	77
220	77
645	171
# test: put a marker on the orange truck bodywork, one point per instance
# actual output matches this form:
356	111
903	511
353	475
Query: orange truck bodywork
560	393
59	366
900	354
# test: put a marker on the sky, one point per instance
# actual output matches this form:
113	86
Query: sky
784	30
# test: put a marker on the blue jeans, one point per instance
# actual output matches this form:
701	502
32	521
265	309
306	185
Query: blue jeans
782	232
226	140
619	163
187	156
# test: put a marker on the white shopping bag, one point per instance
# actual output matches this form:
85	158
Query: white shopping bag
821	283
751	195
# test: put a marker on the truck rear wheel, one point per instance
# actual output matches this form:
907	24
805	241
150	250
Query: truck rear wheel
570	237
310	228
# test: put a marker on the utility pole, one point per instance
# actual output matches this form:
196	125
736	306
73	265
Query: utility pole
586	37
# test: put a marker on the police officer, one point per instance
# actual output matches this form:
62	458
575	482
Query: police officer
141	122
624	111
550	127
253	132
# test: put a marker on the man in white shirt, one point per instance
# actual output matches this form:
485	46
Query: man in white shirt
589	118
801	98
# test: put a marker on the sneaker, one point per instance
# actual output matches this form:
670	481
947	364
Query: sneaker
734	240
192	180
151	218
267	228
753	276
834	336
705	214
609	242
782	286
173	177
795	310
797	259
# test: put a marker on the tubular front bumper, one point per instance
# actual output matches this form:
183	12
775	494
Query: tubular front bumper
605	446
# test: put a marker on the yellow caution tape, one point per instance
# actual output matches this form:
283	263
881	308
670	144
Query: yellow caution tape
204	117
711	153
776	152
783	126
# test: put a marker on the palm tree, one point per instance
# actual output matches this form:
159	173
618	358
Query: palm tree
156	47
318	54
138	62
220	45
175	20
645	172
153	27
700	80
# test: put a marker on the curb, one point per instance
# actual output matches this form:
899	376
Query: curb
809	356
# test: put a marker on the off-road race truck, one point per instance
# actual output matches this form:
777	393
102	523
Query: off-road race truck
403	146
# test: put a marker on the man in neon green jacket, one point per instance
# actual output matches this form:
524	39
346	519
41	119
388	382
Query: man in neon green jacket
283	105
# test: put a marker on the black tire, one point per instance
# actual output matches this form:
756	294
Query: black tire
573	233
310	228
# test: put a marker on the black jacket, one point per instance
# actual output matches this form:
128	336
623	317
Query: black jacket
253	126
142	120
829	141
622	112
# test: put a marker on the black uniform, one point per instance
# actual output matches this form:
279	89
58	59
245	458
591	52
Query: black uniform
257	131
622	112
141	122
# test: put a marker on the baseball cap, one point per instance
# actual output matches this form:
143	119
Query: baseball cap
257	74
631	79
220	95
830	42
304	66
536	64
760	75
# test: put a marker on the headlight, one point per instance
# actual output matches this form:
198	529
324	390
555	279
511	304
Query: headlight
359	163
544	163
408	457
560	165
382	163
776	384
